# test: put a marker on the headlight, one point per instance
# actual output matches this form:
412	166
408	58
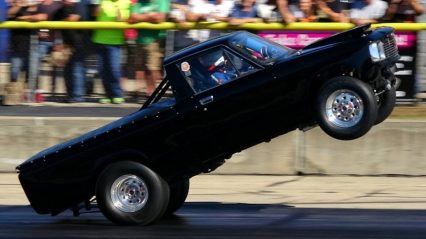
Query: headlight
377	51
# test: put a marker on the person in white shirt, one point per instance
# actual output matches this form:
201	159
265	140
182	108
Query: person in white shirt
203	10
373	11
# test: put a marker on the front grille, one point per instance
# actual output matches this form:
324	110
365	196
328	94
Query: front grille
389	44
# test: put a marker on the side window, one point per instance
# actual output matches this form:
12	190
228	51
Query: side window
213	68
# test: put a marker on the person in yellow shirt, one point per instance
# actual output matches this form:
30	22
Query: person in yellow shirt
108	44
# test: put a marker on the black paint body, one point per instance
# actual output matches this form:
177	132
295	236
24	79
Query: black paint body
183	136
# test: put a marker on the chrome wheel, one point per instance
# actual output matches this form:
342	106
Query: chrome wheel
344	108
129	193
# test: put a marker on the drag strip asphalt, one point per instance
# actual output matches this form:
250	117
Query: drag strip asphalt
219	220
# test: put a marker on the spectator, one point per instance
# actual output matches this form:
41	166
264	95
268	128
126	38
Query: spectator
244	12
203	10
200	10
180	38
268	11
357	4
150	47
178	9
332	10
221	9
74	71
88	8
190	11
129	63
305	11
47	10
372	12
275	11
403	10
197	11
220	12
283	7
4	33
20	38
108	44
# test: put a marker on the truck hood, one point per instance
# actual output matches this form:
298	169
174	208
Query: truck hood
352	33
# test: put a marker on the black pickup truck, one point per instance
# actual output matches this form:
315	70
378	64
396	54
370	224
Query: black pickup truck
217	98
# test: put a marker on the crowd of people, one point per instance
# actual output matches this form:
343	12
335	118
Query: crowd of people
149	45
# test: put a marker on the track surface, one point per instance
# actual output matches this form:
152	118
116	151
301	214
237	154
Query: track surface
216	220
239	206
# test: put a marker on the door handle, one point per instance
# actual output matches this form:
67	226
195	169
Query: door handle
206	100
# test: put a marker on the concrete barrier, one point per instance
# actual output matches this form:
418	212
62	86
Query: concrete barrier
393	147
22	137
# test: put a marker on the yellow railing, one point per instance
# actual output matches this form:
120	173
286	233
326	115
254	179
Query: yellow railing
202	25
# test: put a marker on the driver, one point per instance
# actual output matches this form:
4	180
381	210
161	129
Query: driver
221	71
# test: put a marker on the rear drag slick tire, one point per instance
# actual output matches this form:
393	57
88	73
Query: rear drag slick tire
129	193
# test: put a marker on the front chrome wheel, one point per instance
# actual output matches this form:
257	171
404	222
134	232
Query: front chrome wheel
344	108
129	193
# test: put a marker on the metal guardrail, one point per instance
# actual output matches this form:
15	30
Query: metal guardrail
201	25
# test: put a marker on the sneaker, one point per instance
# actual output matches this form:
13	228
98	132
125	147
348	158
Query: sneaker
117	100
105	101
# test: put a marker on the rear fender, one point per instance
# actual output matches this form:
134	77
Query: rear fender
127	154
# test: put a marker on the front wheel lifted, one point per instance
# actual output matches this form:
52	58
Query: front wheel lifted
346	108
128	192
